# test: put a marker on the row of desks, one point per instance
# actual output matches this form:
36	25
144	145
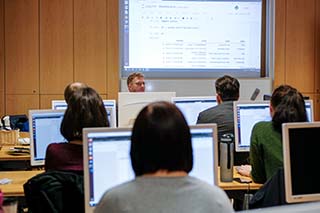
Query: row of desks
15	188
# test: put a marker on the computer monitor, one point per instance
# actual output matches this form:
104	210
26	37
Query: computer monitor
248	113
112	145
131	103
192	106
110	106
300	157
44	127
59	104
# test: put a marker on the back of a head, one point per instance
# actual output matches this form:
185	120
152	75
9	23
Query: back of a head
161	140
227	88
288	105
85	109
71	88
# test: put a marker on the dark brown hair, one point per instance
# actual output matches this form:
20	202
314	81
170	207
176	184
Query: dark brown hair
85	109
228	88
161	139
288	105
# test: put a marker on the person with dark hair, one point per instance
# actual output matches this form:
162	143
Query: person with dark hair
85	109
286	105
227	91
135	82
161	157
71	88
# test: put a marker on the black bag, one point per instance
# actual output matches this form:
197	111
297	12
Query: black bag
272	193
55	192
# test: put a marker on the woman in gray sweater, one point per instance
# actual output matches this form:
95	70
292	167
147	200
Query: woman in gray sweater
161	157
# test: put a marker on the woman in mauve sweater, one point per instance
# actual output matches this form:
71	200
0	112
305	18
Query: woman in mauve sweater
85	109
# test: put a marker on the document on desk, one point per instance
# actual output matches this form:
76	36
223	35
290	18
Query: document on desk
5	181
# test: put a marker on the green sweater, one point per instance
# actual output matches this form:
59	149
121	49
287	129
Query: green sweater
265	151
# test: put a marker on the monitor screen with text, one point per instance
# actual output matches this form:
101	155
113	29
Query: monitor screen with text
248	113
190	38
44	127
112	145
192	106
110	106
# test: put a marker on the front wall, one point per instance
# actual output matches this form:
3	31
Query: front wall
300	44
90	43
21	47
2	109
56	45
20	104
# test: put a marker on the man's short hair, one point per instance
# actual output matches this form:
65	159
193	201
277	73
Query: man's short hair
71	88
161	140
133	75
228	88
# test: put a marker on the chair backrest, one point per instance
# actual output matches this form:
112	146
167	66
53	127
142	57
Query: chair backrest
272	193
55	191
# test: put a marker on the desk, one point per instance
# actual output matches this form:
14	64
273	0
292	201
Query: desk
235	185
15	188
4	156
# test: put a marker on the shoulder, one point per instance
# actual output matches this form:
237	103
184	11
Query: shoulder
208	111
212	197
63	148
264	131
224	107
121	189
263	125
114	196
55	146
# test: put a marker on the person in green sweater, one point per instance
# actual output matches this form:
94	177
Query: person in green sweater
286	105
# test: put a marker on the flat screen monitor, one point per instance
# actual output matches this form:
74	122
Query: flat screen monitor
131	103
110	106
112	145
192	106
301	156
44	127
248	113
191	38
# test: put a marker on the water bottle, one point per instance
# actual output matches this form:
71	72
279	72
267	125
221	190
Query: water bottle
226	157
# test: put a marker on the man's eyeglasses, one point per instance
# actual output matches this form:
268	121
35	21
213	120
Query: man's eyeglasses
139	83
